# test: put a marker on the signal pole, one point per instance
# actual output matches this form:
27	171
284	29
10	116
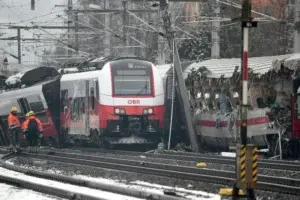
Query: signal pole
246	155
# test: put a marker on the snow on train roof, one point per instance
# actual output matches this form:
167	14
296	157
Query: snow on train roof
80	75
292	62
226	66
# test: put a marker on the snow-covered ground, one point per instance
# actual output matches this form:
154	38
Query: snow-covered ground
145	186
55	184
8	192
155	188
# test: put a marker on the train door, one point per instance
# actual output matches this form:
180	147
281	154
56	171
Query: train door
87	108
296	109
296	116
93	105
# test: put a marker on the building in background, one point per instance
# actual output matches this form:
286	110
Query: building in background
192	10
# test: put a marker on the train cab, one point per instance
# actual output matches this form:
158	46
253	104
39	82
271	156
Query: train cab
132	101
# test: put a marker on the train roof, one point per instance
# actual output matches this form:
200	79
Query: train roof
81	75
33	76
23	92
130	59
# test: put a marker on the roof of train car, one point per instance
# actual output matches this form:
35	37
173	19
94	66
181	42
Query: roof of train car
80	75
117	61
23	92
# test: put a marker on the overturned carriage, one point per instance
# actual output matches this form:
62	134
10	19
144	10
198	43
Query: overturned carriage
216	87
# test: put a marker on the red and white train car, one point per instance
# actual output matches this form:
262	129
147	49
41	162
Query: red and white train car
121	103
41	97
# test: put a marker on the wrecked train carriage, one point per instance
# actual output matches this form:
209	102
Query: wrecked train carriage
217	95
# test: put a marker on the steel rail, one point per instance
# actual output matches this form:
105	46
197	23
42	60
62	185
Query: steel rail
191	157
187	173
279	165
85	183
263	178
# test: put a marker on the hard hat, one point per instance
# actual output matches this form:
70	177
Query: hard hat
14	109
31	113
27	114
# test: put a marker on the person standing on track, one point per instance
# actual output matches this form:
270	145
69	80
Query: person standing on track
32	129
14	128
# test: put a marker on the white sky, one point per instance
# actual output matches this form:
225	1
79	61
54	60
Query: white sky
18	12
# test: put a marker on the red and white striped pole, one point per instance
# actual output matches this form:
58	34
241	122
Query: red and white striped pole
245	65
242	165
244	86
246	25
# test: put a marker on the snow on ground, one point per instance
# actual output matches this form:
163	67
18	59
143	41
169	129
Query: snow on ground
228	154
155	188
8	192
69	187
145	186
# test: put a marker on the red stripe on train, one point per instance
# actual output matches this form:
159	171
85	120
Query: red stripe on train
251	122
106	112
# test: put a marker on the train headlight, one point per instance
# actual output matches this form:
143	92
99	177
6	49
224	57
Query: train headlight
117	110
120	111
145	111
150	111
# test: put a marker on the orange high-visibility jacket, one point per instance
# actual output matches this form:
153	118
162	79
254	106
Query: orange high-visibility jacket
13	121
26	122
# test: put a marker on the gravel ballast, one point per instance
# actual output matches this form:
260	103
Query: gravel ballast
127	177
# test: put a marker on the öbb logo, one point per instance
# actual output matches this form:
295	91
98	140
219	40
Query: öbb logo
133	101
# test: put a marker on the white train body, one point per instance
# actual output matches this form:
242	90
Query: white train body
125	99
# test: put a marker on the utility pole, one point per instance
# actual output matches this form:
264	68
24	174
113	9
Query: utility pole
164	6
107	34
70	7
19	46
297	30
19	39
215	37
246	155
161	44
76	34
125	24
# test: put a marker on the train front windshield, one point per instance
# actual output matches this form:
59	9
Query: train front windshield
130	80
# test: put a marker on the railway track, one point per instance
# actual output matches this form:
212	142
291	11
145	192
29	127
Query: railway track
269	183
77	182
195	157
191	157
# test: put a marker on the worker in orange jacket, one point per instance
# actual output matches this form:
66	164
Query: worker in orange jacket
14	128
32	129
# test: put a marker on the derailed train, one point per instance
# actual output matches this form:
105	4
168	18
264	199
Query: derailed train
120	101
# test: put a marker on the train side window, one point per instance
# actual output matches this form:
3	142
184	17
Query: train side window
64	100
77	108
24	105
35	104
97	90
92	97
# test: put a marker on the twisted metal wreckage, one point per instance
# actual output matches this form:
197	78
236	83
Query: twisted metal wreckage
274	106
